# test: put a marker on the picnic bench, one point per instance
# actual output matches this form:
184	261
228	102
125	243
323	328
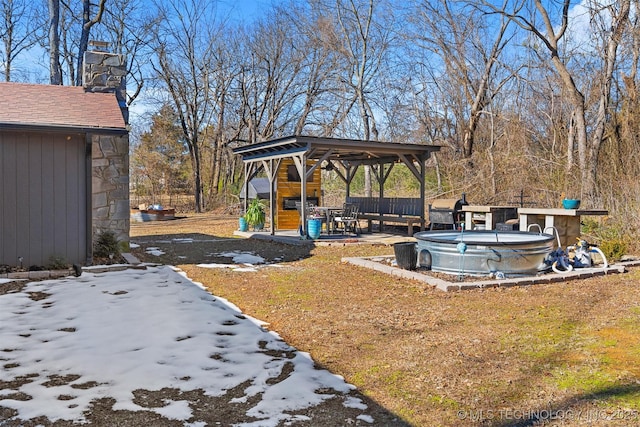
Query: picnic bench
397	210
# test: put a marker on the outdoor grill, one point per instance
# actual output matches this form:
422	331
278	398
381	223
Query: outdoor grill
289	203
446	213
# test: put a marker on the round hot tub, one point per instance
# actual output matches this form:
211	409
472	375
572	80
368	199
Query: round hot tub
483	252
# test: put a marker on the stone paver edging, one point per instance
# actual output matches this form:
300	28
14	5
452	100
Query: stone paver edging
132	261
378	263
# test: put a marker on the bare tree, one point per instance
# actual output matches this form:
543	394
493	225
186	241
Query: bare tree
183	41
459	37
319	67
221	78
269	79
362	42
611	20
551	33
18	31
363	53
286	73
68	37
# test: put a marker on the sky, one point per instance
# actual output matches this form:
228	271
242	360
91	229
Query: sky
151	329
246	10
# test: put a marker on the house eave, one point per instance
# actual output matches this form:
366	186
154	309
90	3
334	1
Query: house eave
30	127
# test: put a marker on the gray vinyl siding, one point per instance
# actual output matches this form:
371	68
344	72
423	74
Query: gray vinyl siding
43	196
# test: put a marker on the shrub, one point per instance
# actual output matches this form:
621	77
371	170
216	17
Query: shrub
611	237
57	263
106	245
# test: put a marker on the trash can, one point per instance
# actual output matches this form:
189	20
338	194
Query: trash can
406	255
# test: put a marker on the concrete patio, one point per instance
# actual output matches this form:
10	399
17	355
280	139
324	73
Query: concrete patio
292	237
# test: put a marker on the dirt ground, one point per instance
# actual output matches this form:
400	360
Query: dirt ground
187	240
554	354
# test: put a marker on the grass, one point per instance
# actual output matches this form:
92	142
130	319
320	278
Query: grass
430	356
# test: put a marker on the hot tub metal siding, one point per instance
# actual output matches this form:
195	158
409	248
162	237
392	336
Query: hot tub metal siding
487	251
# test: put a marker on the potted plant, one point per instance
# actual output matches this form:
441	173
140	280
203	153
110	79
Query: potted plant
255	214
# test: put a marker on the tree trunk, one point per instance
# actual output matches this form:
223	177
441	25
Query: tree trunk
481	98
367	134
197	176
87	23
571	139
55	70
7	33
578	123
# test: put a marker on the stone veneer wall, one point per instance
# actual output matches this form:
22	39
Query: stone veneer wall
110	186
105	72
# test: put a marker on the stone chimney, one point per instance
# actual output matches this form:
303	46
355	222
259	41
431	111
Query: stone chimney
105	72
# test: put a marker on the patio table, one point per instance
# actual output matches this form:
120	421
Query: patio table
487	216
328	212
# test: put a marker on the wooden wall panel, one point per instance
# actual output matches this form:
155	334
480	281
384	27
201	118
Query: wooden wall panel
43	197
8	220
37	200
289	219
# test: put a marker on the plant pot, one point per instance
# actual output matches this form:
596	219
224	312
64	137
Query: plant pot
242	224
406	255
314	227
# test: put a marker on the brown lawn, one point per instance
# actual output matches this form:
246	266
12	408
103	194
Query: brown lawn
562	354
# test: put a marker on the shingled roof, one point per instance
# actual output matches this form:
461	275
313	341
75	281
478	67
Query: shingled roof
62	107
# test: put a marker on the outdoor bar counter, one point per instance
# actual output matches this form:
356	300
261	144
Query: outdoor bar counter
487	216
566	221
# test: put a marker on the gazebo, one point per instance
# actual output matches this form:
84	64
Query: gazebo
344	156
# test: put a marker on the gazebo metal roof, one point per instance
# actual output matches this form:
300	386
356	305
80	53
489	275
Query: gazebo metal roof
351	150
349	154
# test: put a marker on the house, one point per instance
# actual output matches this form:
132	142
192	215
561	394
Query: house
64	165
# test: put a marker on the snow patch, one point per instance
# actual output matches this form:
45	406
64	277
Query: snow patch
147	329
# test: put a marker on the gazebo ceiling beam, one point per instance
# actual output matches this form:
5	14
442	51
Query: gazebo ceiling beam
324	157
338	171
410	164
298	162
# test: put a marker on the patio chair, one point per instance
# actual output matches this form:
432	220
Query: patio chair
347	220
